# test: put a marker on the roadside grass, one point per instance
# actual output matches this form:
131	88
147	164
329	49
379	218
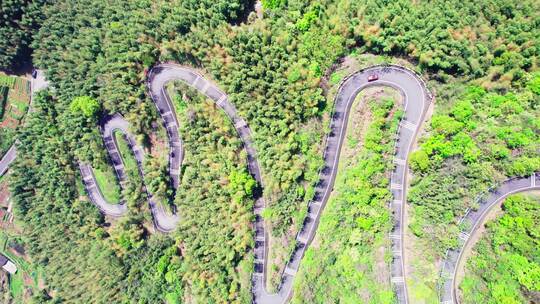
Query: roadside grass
422	263
108	185
180	105
422	293
337	76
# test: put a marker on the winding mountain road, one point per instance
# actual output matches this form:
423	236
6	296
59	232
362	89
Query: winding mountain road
416	101
158	78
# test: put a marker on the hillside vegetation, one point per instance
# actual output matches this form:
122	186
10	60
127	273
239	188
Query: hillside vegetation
474	142
20	20
480	139
505	266
349	256
272	68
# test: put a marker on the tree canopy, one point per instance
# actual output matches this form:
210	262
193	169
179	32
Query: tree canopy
481	56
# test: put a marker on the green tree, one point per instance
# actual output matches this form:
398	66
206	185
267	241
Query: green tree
86	105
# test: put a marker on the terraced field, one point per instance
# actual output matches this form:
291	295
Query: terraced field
14	103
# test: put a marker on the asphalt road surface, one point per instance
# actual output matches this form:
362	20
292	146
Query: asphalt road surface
7	159
416	99
38	83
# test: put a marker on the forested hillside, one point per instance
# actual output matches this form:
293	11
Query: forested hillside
475	141
19	21
505	264
128	263
481	57
83	261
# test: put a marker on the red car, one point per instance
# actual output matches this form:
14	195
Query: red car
372	78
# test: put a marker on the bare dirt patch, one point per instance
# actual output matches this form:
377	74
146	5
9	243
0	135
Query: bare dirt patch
159	146
421	265
360	118
382	275
4	194
9	123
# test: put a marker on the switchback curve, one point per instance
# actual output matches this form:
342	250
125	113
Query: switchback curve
416	101
157	80
470	223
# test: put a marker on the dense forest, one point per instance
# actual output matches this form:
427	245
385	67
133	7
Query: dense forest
480	56
19	21
84	261
505	266
214	178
